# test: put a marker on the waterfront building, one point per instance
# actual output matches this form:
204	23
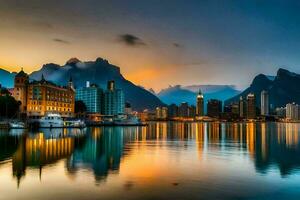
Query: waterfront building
242	108
161	113
192	111
200	104
264	103
39	97
172	111
251	106
292	111
214	108
280	112
183	109
128	108
113	100
91	96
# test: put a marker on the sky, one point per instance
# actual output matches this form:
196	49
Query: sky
156	43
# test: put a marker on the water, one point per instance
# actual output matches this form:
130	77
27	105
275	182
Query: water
161	161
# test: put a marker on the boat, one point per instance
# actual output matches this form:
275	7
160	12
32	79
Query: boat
129	120
17	125
77	123
51	120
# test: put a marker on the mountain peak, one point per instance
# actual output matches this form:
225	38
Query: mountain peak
73	61
284	72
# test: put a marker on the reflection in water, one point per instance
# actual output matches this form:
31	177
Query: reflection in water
103	150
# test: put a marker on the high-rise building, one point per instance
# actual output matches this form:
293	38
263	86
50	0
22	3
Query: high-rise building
264	102
183	110
172	111
200	104
251	106
292	111
192	111
113	100
91	96
281	112
242	108
214	108
39	97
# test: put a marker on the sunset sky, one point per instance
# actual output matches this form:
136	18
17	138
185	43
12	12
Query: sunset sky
156	43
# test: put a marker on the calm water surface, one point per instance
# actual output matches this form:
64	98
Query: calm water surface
161	161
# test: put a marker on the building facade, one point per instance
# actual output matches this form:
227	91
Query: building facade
113	100
200	104
91	96
214	108
40	97
264	103
292	111
251	106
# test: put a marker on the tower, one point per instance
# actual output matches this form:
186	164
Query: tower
200	104
251	108
264	108
20	89
70	83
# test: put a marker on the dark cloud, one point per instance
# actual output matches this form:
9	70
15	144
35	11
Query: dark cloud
61	41
131	40
177	45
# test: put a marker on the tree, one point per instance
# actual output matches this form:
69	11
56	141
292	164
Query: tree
9	107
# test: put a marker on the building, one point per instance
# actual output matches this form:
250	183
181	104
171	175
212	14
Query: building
280	112
242	108
192	111
200	104
292	111
264	103
91	96
214	108
183	110
172	111
39	97
128	108
113	100
251	106
161	113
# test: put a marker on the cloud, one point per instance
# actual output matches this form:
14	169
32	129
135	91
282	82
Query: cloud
61	41
177	45
131	40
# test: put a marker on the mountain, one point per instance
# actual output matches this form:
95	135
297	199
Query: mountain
177	94
99	72
7	78
209	88
283	88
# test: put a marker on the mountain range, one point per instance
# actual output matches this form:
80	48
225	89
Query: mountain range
283	88
99	72
178	94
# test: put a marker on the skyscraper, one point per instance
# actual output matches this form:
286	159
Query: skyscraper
91	96
113	100
251	107
292	111
214	108
264	108
183	109
200	104
242	108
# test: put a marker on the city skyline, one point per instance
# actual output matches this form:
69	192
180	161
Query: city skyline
195	43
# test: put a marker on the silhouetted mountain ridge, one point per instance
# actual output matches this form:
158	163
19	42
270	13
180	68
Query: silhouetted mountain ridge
283	89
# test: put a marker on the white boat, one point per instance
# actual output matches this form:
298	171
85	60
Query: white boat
17	125
51	120
74	124
129	120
